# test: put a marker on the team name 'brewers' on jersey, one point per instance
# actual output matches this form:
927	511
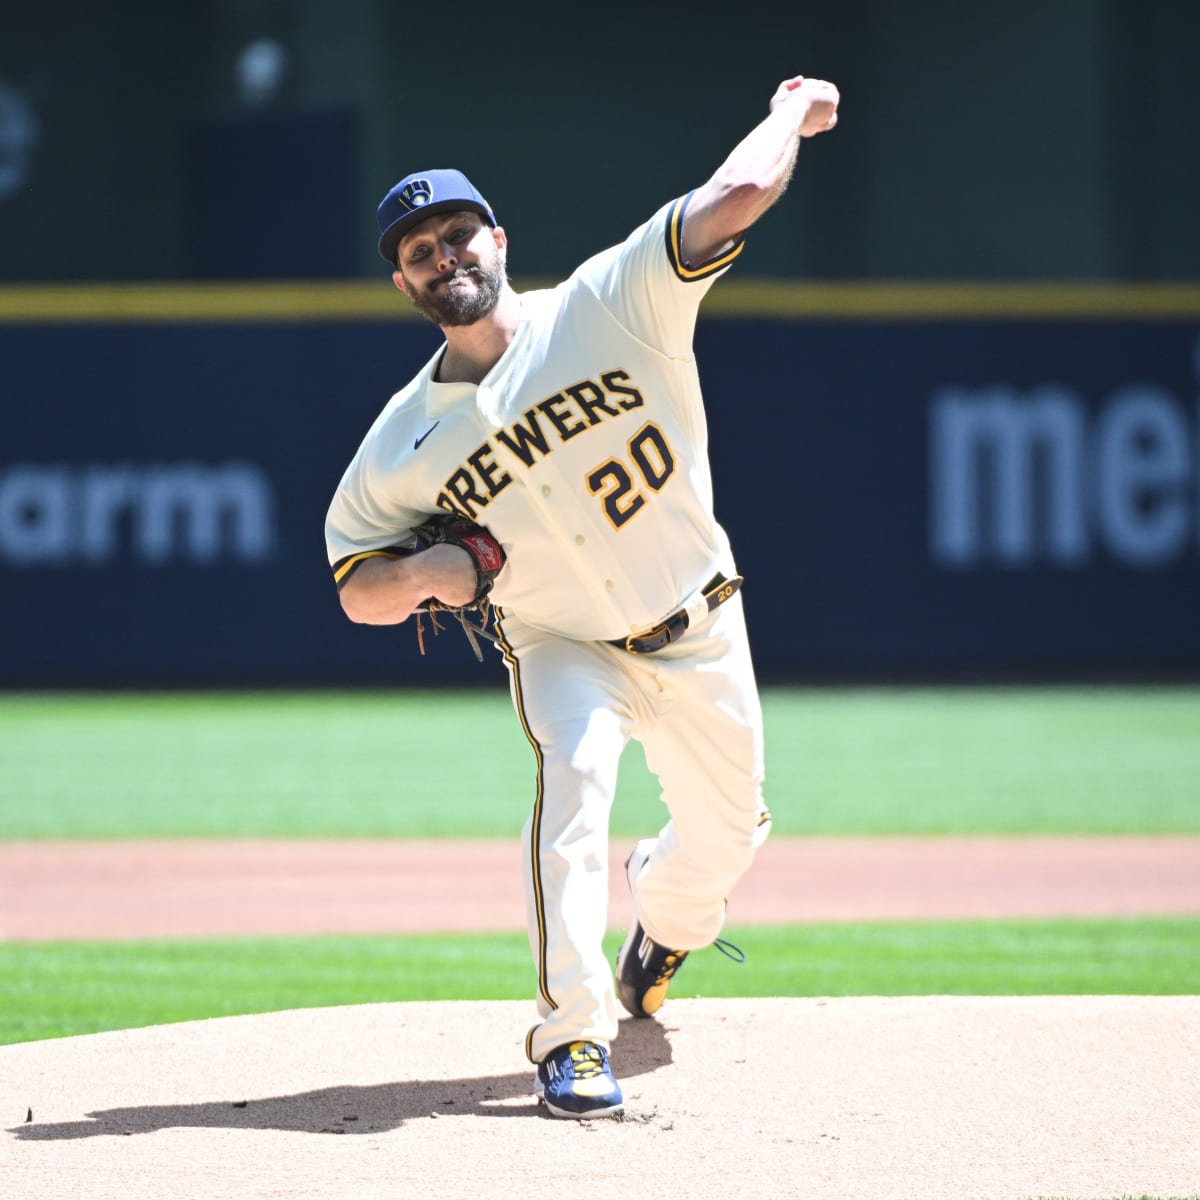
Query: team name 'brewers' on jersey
584	450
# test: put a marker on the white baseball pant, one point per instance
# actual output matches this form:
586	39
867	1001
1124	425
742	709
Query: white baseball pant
694	707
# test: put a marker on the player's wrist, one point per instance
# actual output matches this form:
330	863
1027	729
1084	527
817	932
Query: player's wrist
450	574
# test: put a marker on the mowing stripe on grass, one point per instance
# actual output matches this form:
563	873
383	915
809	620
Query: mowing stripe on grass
390	764
65	988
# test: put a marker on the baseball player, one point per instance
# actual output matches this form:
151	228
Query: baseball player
565	430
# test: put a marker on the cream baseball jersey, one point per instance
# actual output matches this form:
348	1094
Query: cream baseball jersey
584	450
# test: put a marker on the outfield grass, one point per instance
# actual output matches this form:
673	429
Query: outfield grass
59	989
419	764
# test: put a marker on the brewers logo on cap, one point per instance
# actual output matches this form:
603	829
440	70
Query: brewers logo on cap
416	194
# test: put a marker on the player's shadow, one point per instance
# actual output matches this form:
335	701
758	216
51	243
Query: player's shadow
640	1048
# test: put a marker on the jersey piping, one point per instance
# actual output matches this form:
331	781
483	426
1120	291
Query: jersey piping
345	567
535	832
681	267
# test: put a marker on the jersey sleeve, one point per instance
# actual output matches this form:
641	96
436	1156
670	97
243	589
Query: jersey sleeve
649	287
365	521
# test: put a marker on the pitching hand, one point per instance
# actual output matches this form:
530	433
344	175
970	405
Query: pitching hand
815	101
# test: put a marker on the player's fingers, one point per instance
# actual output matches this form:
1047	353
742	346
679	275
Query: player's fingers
785	89
821	89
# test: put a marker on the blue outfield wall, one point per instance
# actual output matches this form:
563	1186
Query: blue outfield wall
953	493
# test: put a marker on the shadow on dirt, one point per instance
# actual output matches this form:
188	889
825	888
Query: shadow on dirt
641	1047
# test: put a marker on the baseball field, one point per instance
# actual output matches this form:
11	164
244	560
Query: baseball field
236	922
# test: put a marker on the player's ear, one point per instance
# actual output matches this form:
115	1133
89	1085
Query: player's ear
398	280
499	237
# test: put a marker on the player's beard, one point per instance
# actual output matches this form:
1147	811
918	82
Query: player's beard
446	304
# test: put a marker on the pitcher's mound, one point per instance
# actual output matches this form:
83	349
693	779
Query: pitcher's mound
921	1097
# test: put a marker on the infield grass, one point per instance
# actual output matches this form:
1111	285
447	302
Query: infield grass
62	988
455	763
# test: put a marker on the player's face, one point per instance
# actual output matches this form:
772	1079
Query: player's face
452	268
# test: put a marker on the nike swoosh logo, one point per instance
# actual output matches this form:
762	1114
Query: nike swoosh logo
417	443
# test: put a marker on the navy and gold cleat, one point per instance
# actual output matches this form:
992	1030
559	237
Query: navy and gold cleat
644	968
576	1081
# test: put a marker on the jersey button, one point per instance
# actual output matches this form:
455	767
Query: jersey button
609	585
579	539
545	489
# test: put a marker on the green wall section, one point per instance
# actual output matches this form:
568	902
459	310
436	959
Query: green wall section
977	141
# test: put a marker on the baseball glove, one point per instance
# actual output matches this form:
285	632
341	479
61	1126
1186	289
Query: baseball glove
487	556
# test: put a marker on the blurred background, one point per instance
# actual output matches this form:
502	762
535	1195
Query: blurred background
953	381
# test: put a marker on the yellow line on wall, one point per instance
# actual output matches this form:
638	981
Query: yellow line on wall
762	299
766	298
198	303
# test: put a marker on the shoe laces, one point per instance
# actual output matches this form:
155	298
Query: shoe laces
671	964
730	950
587	1059
674	959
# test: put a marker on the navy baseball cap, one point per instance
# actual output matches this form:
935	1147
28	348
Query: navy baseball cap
422	195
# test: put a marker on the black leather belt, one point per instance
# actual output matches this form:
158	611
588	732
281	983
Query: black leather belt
670	629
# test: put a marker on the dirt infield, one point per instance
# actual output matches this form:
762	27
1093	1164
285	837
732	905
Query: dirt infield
178	889
924	1098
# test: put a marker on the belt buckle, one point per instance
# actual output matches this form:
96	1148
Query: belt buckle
646	634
